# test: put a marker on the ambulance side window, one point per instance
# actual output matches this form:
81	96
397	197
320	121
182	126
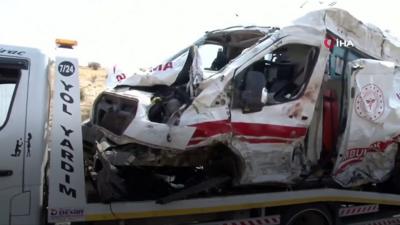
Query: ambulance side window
286	70
9	78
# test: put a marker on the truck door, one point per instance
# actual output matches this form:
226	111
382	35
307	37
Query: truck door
274	99
13	97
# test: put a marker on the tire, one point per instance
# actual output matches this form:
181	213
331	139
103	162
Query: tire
308	215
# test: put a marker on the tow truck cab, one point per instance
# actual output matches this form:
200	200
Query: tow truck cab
24	107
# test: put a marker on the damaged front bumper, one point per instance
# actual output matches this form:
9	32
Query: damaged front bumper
121	151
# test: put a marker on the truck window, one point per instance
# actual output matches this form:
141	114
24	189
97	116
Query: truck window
8	82
286	70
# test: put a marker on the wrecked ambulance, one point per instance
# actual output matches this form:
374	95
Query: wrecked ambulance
310	102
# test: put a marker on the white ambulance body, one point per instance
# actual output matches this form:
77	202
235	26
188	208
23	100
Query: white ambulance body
288	152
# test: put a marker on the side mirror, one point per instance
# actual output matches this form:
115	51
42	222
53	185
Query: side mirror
254	93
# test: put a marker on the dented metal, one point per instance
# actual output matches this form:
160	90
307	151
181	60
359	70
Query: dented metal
368	153
258	111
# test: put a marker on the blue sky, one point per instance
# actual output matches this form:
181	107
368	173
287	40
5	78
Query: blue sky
141	33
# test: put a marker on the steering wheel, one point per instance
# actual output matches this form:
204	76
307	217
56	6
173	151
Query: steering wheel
282	94
282	63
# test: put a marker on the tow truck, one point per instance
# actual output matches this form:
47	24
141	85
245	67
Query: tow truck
249	125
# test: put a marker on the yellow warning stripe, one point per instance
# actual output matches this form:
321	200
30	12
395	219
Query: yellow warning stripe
190	211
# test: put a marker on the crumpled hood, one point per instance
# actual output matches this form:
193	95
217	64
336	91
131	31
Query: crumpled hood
163	74
167	72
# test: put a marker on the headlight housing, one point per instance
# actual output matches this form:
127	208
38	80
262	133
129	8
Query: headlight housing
114	112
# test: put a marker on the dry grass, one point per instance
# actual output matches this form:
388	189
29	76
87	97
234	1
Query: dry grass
92	83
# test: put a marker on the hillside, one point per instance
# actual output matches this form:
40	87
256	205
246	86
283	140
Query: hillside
92	83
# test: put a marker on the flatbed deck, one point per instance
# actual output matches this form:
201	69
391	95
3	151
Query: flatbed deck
150	209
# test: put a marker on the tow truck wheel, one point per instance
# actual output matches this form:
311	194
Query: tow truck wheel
308	216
